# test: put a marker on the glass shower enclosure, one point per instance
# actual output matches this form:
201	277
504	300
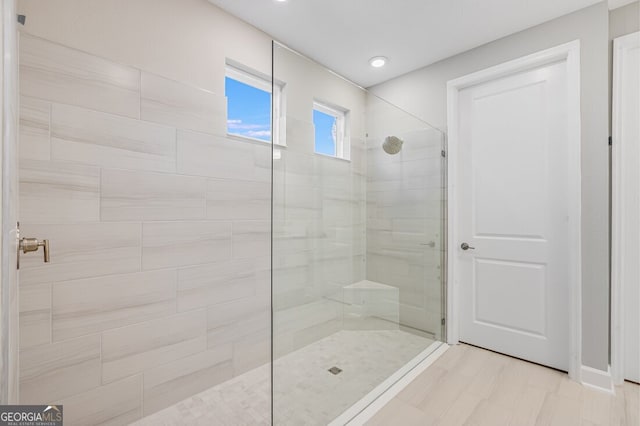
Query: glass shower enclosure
199	277
357	246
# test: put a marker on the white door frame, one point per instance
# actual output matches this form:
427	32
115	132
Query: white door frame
569	52
8	195
620	46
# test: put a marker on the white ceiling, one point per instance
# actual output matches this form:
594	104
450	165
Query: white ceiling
344	34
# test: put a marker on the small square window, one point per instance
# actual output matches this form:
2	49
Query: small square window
330	125
249	105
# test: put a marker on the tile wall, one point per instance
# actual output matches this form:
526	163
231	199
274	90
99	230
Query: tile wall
159	281
404	214
158	286
319	208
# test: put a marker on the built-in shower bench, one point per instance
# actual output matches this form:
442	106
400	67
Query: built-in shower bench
369	305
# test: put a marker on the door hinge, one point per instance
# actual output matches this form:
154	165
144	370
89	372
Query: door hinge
443	153
22	19
610	141
443	321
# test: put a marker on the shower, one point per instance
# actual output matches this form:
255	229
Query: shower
392	145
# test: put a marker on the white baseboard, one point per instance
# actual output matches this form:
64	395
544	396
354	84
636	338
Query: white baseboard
597	379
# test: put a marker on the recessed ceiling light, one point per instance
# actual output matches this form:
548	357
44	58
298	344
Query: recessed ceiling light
378	61
281	1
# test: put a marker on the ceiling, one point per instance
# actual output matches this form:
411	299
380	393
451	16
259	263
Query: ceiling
344	34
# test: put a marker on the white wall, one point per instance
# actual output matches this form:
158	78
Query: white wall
423	92
622	21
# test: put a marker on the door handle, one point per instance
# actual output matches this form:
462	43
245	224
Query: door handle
465	247
28	245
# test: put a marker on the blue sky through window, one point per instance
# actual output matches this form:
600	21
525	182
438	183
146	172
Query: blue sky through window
248	110
325	126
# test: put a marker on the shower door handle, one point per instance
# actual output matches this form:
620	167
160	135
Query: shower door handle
465	247
28	245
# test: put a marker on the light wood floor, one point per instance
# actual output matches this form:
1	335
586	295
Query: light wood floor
472	386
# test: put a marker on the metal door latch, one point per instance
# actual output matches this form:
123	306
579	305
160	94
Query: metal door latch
465	246
28	245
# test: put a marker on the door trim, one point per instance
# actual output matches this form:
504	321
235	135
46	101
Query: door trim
620	46
8	169
569	52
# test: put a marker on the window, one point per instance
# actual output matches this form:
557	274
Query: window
330	125
249	105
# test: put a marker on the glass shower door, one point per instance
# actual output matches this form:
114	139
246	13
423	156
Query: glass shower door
405	226
356	285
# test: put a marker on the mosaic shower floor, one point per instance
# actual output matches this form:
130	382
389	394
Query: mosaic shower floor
306	393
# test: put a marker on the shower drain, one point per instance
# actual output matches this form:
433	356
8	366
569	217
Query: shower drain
335	370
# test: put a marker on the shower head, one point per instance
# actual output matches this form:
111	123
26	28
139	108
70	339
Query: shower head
392	145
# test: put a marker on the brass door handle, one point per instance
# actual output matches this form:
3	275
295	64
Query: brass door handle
28	245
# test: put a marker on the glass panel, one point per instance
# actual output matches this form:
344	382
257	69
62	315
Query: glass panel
357	249
405	227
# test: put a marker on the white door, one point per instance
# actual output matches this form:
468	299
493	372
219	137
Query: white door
512	201
626	198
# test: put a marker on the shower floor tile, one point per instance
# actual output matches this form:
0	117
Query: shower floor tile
306	392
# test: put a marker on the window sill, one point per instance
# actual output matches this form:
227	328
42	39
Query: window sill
251	140
333	157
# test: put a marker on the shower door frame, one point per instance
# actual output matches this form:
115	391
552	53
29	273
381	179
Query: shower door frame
9	108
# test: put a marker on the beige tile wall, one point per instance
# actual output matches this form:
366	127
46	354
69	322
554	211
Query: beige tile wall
160	233
404	214
319	209
158	286
55	73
